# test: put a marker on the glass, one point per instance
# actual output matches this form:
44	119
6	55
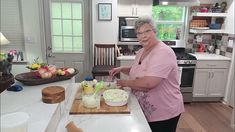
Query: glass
91	100
143	33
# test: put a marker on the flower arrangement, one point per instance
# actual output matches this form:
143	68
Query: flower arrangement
12	52
36	64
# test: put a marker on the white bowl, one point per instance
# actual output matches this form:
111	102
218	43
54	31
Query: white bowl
115	97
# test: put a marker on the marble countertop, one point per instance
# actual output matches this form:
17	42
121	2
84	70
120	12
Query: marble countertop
29	100
198	55
130	57
54	117
133	122
207	56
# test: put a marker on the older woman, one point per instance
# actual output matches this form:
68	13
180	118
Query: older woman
153	78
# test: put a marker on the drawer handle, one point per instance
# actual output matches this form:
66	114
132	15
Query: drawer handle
210	65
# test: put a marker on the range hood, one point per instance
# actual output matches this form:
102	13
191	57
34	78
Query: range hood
177	2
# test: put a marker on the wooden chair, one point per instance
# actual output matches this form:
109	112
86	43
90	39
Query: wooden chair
104	59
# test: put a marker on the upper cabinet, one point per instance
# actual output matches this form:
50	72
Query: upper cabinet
134	8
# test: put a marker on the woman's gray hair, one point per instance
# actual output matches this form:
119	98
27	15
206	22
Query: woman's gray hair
145	20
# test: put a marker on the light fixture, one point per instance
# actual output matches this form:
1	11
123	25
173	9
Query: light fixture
164	3
3	41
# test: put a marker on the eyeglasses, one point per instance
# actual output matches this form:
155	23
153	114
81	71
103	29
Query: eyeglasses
143	33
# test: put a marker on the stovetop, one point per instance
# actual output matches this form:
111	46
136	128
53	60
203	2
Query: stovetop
183	57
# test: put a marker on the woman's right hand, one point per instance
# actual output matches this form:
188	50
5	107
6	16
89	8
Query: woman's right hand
115	71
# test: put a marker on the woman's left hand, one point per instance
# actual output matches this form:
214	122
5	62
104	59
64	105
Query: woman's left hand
122	83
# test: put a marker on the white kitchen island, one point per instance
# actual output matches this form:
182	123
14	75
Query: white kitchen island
54	117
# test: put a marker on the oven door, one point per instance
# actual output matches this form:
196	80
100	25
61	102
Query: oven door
187	75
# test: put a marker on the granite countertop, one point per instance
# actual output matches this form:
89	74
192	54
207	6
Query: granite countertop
207	56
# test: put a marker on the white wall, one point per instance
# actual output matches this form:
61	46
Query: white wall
230	18
104	31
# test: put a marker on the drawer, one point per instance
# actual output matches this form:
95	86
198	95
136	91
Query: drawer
213	64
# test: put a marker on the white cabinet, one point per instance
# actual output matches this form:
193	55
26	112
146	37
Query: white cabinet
210	78
134	8
207	30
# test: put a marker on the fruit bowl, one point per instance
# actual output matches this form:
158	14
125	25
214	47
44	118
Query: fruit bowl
115	97
32	78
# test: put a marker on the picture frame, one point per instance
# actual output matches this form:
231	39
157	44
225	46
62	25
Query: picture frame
104	11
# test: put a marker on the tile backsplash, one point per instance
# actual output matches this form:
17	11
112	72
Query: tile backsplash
218	41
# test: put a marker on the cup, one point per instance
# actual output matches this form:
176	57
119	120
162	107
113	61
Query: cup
217	51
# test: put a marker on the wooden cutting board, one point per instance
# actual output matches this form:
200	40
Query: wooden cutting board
78	108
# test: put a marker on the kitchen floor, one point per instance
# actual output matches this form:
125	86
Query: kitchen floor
205	117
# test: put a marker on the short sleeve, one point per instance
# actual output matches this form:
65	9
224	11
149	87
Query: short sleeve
159	65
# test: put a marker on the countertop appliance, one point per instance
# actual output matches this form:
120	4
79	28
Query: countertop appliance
186	64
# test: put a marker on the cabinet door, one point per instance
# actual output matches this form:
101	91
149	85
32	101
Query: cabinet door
201	82
217	83
143	8
126	7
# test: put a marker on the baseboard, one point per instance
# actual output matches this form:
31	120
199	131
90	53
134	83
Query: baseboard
207	99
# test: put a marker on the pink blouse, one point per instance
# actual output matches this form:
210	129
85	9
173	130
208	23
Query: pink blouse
164	101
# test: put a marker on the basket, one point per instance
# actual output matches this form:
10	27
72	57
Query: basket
31	78
198	23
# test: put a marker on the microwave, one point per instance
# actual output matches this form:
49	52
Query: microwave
128	34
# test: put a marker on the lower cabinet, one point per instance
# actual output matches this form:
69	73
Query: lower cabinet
209	82
210	78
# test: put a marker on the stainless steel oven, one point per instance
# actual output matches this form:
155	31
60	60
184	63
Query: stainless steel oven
186	81
128	34
186	64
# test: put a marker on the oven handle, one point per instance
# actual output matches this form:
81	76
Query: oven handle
187	67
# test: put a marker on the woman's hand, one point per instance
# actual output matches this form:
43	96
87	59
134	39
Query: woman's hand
122	83
115	71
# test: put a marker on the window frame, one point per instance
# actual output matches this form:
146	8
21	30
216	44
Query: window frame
181	41
51	27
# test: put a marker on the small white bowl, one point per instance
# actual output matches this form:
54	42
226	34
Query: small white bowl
115	97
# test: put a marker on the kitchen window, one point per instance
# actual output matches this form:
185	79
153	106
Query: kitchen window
170	22
66	26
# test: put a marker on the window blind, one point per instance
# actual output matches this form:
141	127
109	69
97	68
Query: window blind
11	24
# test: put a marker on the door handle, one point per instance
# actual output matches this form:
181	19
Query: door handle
136	11
50	55
49	48
212	74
